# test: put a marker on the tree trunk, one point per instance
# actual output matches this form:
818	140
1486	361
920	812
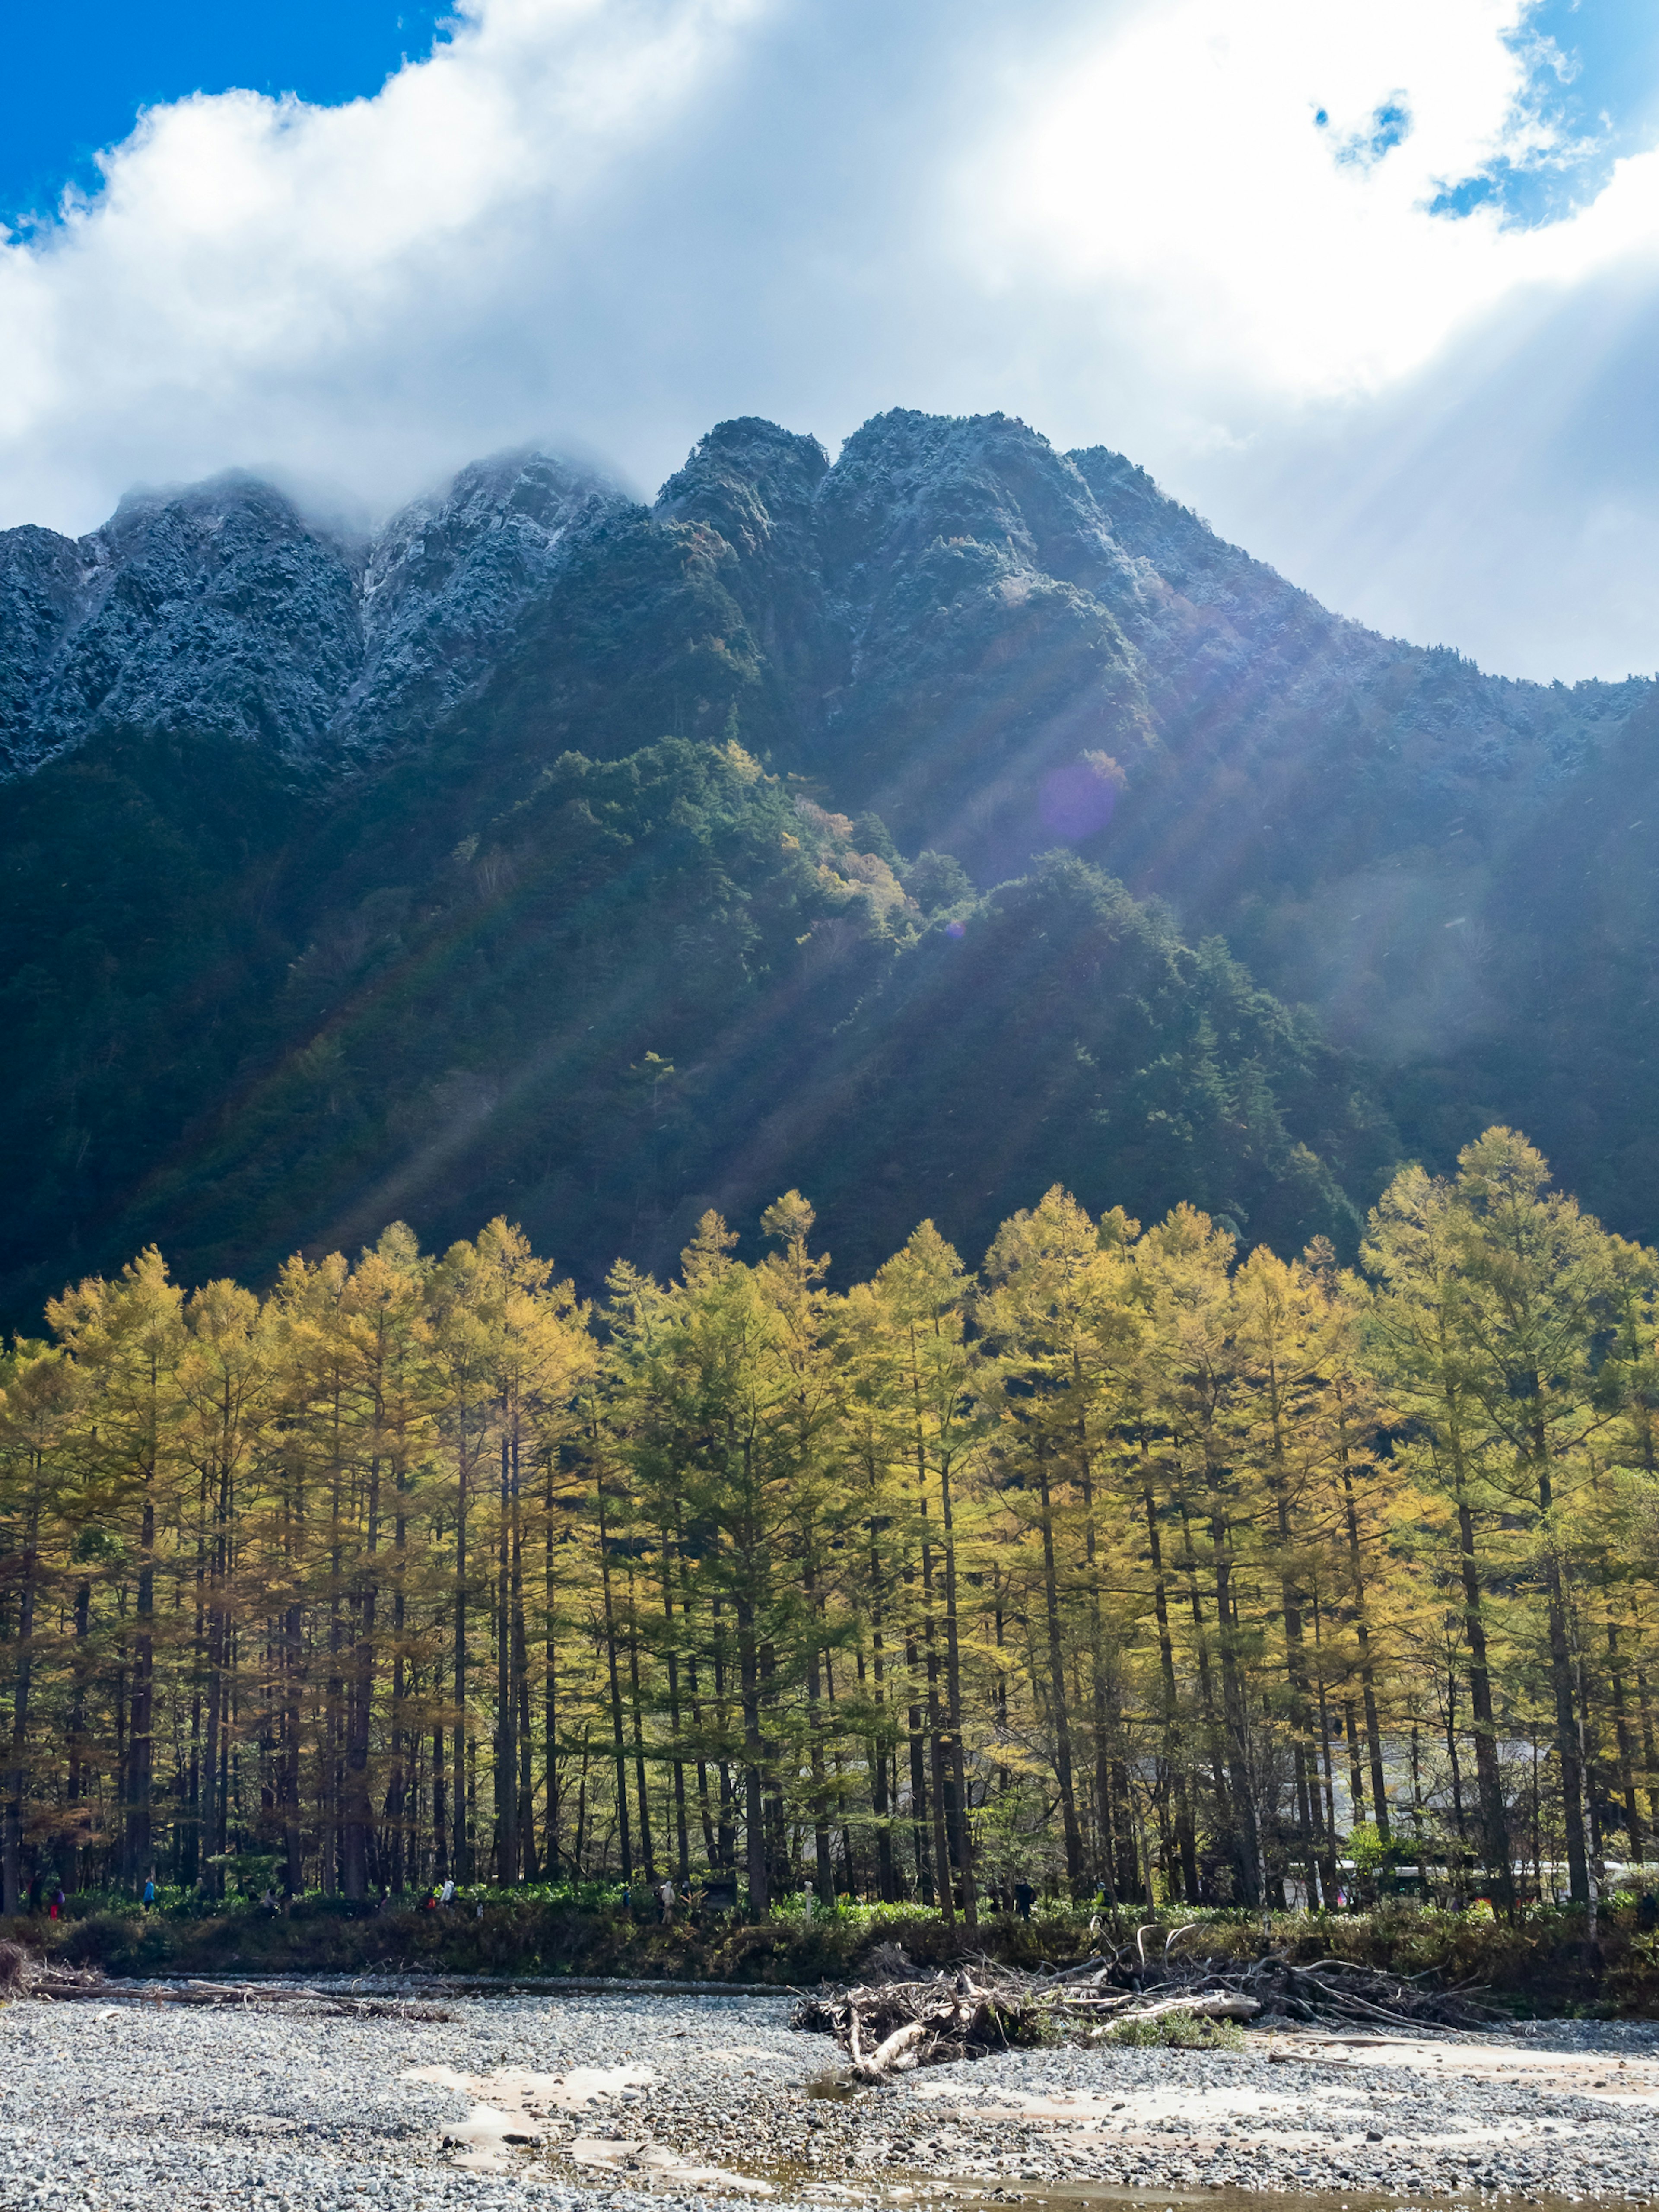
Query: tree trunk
140	1755
754	1764
1567	1746
935	1721
1622	1737
1186	1837
11	1847
619	1747
360	1704
959	1806
505	1772
460	1857
1057	1688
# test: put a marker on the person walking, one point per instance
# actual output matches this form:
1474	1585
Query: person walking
149	1899
665	1902
55	1910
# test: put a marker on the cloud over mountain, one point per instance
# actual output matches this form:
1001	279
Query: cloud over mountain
1270	245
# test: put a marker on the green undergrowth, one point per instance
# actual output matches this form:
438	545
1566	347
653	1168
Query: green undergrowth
1540	1965
535	1932
1177	2031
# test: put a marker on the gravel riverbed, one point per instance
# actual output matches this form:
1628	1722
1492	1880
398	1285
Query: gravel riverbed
707	2100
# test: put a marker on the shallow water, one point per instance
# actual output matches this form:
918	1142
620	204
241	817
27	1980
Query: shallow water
900	2188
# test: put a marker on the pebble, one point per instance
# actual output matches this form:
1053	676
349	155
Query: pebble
204	2110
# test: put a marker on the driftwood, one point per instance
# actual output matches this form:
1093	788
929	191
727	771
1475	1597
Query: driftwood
1219	2004
908	2020
1340	1989
24	1974
244	1996
890	2027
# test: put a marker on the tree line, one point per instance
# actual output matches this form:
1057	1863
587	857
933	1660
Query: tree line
1132	1563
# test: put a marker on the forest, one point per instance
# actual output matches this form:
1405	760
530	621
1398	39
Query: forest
1135	1563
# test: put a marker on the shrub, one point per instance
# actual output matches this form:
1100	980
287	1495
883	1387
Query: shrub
1177	2031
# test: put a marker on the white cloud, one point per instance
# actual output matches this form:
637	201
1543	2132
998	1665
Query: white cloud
607	223
263	280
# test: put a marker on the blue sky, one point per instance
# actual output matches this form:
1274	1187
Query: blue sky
1595	72
78	72
1375	288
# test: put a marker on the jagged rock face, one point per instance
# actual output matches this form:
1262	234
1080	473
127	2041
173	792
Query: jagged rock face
218	610
977	584
39	579
214	610
447	580
945	619
907	482
758	489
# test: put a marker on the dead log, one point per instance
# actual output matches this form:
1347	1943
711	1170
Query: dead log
893	2056
1218	2004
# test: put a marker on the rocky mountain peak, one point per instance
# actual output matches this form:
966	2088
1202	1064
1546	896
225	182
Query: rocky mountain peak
215	610
449	577
749	480
908	480
218	608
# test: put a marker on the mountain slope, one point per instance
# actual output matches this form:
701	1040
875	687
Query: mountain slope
338	879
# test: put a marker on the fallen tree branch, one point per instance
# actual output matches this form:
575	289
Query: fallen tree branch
892	2025
1219	2005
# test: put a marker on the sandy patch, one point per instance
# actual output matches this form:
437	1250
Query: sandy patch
514	2104
1244	2117
1632	2081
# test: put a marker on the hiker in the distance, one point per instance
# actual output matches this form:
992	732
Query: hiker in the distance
149	1892
55	1910
446	1895
1024	1899
666	1901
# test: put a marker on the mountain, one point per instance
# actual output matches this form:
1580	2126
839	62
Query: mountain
918	829
217	611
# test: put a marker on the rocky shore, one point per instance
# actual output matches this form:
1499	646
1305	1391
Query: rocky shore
552	2099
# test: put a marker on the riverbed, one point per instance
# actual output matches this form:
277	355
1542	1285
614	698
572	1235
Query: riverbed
561	2099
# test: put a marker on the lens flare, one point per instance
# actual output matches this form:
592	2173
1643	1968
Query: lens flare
1076	801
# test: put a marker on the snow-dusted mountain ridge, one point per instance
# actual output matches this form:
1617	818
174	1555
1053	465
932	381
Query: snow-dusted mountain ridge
890	595
218	609
991	646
